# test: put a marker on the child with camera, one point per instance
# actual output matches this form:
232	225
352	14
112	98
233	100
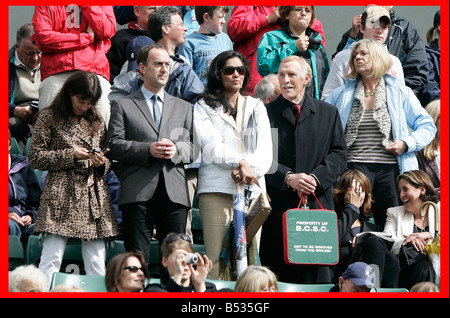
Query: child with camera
185	271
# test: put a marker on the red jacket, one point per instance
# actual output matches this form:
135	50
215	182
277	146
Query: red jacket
66	47
246	27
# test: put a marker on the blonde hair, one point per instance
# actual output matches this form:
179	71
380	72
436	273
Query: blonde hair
424	287
378	55
254	278
434	109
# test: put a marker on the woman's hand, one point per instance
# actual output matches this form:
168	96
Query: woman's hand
355	194
198	276
418	240
97	159
397	148
243	174
302	43
81	153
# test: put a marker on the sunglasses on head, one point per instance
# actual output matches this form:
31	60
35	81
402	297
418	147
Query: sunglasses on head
133	269
174	237
229	70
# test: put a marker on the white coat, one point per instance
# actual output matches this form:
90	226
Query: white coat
215	132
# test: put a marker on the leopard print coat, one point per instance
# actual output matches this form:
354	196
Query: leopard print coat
69	206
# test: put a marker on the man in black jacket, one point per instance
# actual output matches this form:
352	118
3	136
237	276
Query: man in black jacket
403	41
311	154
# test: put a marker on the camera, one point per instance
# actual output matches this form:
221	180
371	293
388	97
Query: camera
95	150
191	258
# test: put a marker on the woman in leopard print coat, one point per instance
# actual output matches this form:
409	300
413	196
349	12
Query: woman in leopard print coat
75	202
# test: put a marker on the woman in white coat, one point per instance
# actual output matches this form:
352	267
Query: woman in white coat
409	227
233	131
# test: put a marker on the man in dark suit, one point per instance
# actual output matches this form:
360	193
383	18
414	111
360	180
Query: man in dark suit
150	135
311	154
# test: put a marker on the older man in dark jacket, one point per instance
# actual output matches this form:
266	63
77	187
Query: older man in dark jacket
310	149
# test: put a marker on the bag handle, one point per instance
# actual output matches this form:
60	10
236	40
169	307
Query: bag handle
255	181
301	199
436	214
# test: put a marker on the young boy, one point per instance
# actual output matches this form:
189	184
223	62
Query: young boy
202	46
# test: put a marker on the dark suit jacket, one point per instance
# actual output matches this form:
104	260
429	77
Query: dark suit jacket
314	145
131	132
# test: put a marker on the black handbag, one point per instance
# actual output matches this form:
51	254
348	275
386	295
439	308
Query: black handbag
408	256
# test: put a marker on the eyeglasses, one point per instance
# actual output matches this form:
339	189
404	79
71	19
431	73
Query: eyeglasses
301	9
174	237
133	269
229	70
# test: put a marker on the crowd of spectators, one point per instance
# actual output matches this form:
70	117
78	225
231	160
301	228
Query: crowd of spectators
182	111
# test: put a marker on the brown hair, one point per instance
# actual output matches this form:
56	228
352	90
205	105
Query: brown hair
178	243
419	178
345	181
201	10
84	85
285	10
115	268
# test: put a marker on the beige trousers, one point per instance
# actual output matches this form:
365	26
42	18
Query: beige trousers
216	213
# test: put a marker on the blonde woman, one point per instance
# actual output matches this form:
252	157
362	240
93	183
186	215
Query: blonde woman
429	158
376	113
257	279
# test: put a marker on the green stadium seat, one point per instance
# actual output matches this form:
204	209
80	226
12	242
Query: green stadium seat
302	288
112	249
389	290
16	252
15	149
220	284
86	282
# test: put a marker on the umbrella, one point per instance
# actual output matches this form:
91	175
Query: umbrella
240	232
433	247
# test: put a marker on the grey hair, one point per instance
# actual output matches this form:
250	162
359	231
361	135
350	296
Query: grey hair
265	88
24	32
27	273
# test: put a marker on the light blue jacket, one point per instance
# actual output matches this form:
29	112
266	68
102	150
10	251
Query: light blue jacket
410	121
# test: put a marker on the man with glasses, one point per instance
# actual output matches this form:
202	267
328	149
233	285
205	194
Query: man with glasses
24	81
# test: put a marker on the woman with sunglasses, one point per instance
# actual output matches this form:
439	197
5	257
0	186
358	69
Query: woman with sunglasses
126	272
233	131
182	275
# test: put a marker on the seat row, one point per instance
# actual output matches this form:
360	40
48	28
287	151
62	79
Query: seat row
72	254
